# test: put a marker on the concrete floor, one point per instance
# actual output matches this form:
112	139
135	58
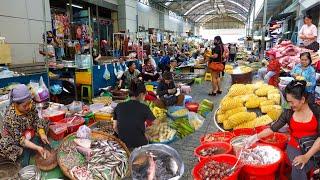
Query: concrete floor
185	147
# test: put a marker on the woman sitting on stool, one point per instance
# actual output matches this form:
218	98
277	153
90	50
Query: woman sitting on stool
149	72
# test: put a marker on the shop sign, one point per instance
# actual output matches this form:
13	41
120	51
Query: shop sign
146	2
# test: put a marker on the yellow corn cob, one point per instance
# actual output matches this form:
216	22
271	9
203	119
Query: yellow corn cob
219	112
267	102
230	103
263	120
275	97
263	91
241	117
221	118
266	109
273	91
227	125
275	113
239	89
263	99
253	102
235	111
248	124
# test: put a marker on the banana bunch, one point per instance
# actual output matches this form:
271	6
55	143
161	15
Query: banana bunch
159	113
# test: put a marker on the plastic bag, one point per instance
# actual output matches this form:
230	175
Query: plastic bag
195	120
84	132
40	91
106	74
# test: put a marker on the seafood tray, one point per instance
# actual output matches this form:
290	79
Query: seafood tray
104	126
69	159
185	76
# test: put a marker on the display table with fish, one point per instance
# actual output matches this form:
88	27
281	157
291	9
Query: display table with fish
106	158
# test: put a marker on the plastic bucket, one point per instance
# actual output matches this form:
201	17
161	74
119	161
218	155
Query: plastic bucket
262	172
149	87
244	131
225	158
280	140
226	149
217	137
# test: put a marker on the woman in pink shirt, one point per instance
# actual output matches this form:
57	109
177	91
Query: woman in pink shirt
308	34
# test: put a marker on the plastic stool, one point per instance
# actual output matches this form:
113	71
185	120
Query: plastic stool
208	77
89	93
198	80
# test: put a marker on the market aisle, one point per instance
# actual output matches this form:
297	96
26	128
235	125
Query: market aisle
186	146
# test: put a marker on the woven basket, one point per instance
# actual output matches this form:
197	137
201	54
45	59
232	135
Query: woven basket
47	167
95	135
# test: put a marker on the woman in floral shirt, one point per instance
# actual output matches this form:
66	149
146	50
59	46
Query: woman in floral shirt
305	71
21	123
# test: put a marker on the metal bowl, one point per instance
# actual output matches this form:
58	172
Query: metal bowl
161	148
30	172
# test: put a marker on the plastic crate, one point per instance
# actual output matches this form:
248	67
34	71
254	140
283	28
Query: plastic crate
83	78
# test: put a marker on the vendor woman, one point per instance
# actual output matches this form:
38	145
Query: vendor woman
130	74
130	117
167	92
305	71
303	120
21	124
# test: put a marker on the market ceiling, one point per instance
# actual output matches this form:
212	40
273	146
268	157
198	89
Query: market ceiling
202	11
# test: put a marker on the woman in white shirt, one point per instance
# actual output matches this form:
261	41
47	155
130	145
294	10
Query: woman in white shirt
308	34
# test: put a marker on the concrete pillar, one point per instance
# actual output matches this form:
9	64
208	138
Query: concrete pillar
115	23
161	20
127	15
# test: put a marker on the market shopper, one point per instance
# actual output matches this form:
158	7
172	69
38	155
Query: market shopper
149	72
308	34
21	127
303	120
130	74
164	61
273	69
216	60
232	52
167	92
305	71
130	117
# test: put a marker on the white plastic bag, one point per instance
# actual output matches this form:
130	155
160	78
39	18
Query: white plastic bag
195	120
84	132
40	91
120	71
106	74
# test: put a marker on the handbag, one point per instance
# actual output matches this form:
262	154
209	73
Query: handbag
313	46
217	66
306	143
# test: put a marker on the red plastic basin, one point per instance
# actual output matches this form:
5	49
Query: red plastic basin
192	106
244	131
73	123
263	170
280	140
57	131
226	158
217	137
57	117
226	149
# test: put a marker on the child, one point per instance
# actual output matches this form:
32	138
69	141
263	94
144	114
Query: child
273	69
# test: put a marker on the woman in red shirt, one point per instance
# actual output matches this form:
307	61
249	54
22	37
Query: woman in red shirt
303	120
273	69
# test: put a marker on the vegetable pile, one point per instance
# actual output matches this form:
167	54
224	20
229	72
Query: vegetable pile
182	126
214	170
160	132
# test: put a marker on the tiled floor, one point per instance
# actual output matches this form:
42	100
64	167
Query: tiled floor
186	146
